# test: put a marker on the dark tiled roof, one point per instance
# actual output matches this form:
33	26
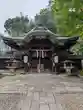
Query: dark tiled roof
39	32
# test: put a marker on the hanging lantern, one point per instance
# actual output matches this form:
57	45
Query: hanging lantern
25	59
55	59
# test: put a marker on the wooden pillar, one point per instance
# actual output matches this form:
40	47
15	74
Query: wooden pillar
82	63
39	65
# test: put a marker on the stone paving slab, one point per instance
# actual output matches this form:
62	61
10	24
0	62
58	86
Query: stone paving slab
74	89
70	101
44	107
53	107
35	106
61	90
10	101
41	92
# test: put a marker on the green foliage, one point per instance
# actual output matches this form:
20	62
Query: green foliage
68	15
78	48
81	72
18	26
45	18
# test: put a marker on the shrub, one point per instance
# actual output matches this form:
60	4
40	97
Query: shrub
81	72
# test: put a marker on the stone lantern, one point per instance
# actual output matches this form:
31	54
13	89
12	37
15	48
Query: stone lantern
68	66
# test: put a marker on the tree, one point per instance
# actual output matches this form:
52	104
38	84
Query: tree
45	18
68	15
18	26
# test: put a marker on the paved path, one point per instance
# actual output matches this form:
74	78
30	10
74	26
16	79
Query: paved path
41	92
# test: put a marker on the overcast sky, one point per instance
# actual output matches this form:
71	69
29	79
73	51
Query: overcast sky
12	8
